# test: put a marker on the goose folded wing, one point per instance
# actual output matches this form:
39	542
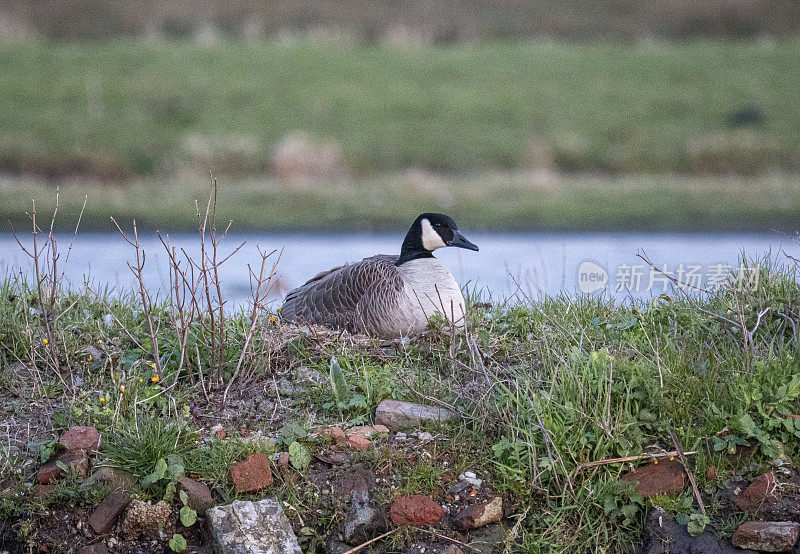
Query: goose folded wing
337	297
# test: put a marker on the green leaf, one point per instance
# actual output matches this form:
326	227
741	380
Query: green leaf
748	426
169	492
299	456
177	543
188	516
338	381
184	497
290	432
697	524
174	465
157	474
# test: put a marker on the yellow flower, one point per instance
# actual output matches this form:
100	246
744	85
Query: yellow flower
102	399
279	308
90	359
730	311
272	319
154	378
45	341
141	380
656	462
671	458
100	341
122	388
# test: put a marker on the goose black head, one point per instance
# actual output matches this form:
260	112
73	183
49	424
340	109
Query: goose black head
429	232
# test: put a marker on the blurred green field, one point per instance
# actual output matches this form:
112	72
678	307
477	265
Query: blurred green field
127	108
500	201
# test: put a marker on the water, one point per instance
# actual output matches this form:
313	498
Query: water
508	264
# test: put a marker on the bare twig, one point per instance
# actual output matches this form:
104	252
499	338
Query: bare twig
606	461
369	542
682	458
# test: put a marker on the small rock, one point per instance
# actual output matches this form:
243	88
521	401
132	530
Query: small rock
363	518
81	438
425	437
251	474
471	478
380	428
712	474
357	442
252	527
106	514
260	439
336	433
767	536
400	436
666	477
115	479
51	471
216	429
145	521
198	493
760	492
397	415
478	515
416	509
364	431
283	461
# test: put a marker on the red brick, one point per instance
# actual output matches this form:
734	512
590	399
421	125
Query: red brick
416	509
761	491
358	442
51	471
251	474
81	438
106	514
665	477
767	536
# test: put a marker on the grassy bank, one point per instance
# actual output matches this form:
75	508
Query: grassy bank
500	201
540	387
131	108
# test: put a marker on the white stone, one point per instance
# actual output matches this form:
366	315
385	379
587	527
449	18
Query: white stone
245	527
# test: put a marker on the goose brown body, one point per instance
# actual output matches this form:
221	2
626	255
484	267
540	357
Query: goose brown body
384	295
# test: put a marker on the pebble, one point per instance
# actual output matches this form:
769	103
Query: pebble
425	437
471	478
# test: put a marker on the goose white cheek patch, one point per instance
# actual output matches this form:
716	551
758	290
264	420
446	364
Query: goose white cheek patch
430	238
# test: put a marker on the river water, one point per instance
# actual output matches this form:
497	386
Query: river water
508	264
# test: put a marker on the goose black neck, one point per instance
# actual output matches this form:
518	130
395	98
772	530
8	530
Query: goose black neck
412	248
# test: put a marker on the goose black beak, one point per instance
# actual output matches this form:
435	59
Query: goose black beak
461	242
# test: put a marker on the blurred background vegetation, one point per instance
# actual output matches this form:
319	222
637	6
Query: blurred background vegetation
545	103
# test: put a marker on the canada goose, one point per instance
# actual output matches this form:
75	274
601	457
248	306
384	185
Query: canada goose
384	295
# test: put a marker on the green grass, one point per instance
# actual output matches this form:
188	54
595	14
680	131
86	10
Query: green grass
561	382
129	108
507	201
